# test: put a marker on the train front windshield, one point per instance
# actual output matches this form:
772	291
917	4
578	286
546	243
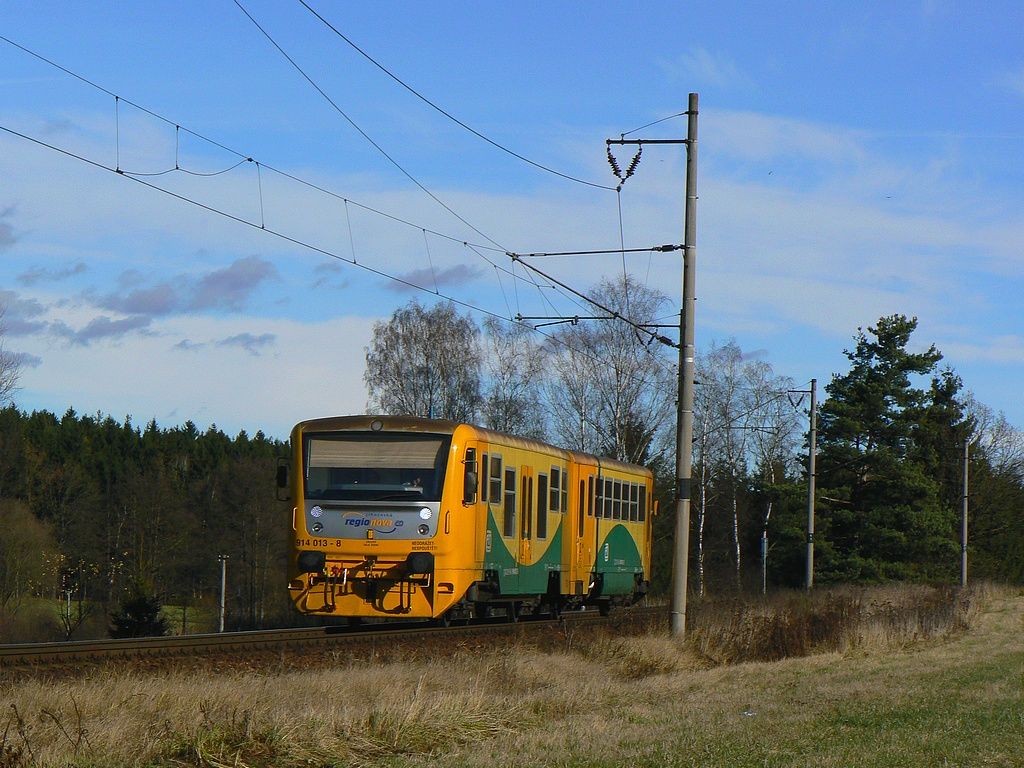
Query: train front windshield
374	467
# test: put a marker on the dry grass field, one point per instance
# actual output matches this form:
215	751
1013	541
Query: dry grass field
910	677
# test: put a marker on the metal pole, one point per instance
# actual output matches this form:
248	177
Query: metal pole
223	588
963	518
684	425
813	440
764	562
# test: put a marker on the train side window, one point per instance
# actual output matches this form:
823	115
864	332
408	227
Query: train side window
643	503
485	478
580	512
608	497
495	493
556	483
542	506
524	501
565	490
634	490
509	526
590	497
617	501
599	498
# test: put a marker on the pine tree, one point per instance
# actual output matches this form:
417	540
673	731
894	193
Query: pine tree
139	614
884	448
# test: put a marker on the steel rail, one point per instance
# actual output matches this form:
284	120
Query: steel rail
57	653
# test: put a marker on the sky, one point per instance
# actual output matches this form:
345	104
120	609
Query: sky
179	222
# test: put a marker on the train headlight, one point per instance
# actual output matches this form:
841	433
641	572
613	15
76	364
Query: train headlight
424	529
316	527
425	513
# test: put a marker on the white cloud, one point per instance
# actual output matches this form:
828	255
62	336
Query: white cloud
706	69
312	369
815	251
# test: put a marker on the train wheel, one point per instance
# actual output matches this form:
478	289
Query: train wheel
604	607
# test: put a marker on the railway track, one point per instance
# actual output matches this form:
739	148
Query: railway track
240	649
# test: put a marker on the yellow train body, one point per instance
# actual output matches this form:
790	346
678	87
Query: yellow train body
419	518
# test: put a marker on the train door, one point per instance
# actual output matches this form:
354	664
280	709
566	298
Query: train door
510	531
583	527
526	521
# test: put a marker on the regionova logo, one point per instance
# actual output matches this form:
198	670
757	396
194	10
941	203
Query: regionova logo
379	524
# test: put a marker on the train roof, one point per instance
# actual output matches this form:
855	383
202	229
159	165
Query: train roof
444	427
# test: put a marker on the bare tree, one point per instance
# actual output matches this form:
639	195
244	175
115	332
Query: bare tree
514	365
425	362
773	438
1001	443
743	418
27	549
10	367
610	392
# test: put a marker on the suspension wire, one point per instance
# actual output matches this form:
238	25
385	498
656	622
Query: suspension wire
185	170
238	219
660	120
259	183
351	240
476	248
504	295
444	112
622	251
657	248
213	142
430	261
596	303
117	133
361	132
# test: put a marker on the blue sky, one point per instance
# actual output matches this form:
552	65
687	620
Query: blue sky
855	160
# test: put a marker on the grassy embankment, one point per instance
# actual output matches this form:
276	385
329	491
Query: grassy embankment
906	677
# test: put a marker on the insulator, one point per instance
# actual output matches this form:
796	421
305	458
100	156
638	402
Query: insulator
615	166
635	162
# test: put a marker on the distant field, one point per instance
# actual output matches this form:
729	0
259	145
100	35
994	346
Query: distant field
44	620
905	688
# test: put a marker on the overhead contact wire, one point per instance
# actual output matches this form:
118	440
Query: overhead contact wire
213	142
445	112
361	132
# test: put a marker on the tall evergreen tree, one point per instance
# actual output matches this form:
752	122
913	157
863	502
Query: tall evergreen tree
885	448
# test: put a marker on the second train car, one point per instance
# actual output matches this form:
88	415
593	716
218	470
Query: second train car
420	518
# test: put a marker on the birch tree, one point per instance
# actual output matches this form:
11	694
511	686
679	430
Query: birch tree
514	366
10	367
425	362
611	391
743	419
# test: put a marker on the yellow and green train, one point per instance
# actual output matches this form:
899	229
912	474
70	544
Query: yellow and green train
407	517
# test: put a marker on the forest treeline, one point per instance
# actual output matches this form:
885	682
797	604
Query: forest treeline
95	512
102	516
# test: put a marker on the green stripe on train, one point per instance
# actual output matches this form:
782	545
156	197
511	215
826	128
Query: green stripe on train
514	577
618	561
